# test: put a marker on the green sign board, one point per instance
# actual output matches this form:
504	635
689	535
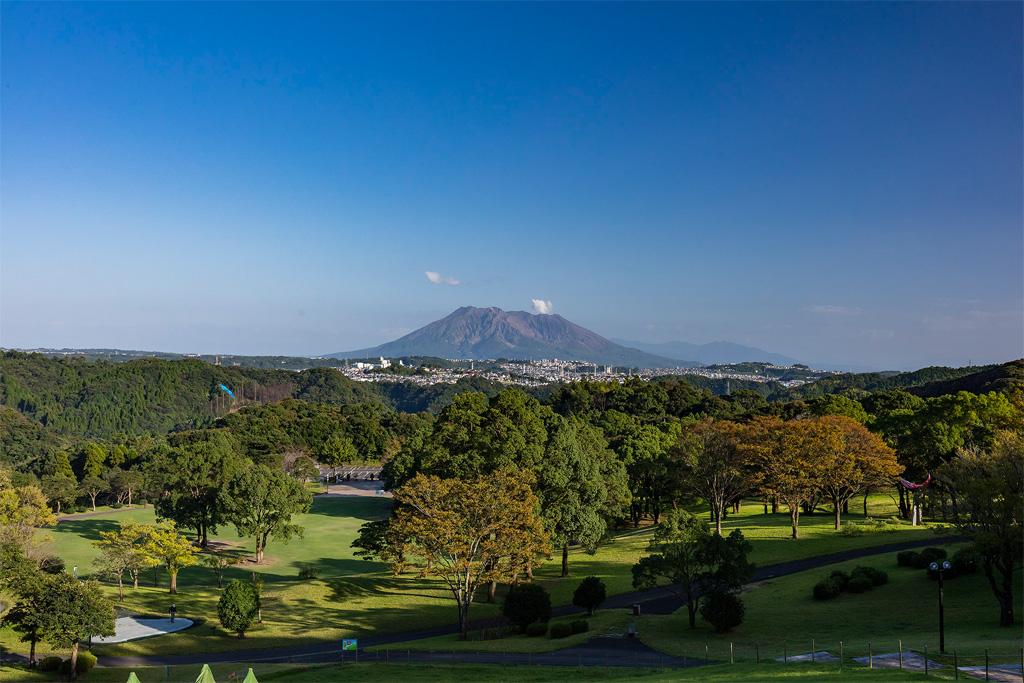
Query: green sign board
349	644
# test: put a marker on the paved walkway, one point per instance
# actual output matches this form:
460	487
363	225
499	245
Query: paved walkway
661	600
134	628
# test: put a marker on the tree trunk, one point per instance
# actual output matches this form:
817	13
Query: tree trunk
74	660
492	591
58	507
794	520
766	506
565	560
120	589
93	497
174	582
135	579
463	616
865	505
719	511
691	608
837	507
775	505
32	652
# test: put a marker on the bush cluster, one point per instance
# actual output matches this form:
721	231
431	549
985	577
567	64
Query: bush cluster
526	603
724	611
580	626
308	572
561	629
920	560
537	629
860	580
51	663
85	662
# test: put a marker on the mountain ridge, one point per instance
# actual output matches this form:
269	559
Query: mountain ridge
716	352
481	333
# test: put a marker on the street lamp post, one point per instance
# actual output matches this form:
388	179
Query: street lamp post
939	568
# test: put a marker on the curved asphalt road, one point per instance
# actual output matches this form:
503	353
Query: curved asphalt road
596	652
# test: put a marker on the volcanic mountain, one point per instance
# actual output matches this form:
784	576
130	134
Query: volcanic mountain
480	333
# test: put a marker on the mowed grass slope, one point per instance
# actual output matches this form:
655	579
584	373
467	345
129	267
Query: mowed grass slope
782	617
354	597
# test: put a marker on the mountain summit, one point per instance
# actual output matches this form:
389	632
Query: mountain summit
480	333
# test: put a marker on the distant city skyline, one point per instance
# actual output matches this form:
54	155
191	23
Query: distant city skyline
839	183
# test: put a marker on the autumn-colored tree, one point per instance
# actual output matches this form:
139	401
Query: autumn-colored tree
468	532
23	507
165	545
716	466
123	551
855	460
788	459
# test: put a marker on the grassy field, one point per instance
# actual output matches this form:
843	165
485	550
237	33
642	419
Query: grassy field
782	617
353	597
459	673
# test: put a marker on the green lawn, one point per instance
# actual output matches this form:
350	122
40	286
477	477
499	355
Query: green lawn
782	617
353	597
459	673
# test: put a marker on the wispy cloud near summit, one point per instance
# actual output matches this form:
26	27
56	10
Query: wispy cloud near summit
435	278
543	307
832	309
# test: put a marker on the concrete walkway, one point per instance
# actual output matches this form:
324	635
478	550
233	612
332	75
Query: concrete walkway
133	628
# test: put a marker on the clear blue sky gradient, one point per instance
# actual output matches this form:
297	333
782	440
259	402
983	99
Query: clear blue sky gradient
840	183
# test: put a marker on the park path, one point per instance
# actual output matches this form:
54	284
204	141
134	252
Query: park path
597	651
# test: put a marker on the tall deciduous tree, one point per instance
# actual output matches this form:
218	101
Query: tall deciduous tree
469	532
572	492
124	551
165	545
988	505
260	501
191	478
788	459
855	461
29	613
23	507
60	490
715	464
93	486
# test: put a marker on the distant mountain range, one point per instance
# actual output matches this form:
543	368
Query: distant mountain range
480	333
716	352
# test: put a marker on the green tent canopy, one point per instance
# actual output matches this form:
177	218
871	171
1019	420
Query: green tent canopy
250	677
205	675
132	678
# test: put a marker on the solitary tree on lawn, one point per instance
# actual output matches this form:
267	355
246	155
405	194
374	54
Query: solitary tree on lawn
261	501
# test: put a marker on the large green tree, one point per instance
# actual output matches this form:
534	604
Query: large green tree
191	477
260	501
694	561
76	610
987	488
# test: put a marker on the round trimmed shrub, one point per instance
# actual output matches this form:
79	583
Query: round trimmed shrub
841	578
876	576
589	594
51	663
238	607
907	558
537	629
966	561
580	626
561	630
85	662
929	555
826	590
526	603
724	611
859	584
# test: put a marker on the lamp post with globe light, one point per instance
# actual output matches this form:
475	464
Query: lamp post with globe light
939	568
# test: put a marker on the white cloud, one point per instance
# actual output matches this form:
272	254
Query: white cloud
435	278
543	307
832	309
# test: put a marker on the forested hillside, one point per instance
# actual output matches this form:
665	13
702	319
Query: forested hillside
98	398
883	381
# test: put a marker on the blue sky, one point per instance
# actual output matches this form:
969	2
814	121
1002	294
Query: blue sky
841	183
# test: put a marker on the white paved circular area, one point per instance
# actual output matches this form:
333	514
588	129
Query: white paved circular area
133	628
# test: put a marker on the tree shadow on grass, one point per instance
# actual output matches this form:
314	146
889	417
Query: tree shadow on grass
85	528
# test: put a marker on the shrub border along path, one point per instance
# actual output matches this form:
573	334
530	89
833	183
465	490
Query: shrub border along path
603	652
